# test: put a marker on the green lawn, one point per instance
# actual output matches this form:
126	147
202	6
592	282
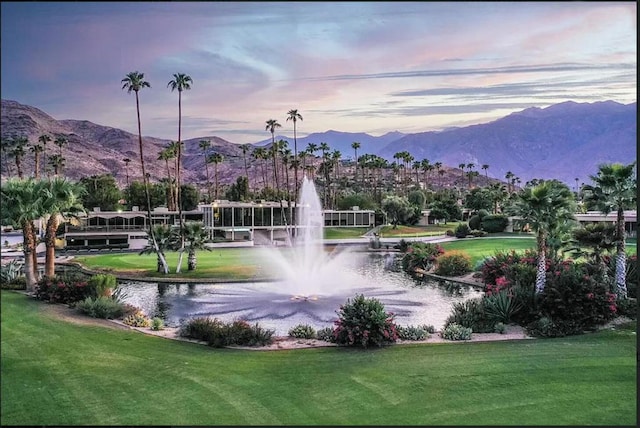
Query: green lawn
58	373
416	231
479	248
344	232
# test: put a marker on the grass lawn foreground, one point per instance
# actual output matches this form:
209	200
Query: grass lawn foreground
58	373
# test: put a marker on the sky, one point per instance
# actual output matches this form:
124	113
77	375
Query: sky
373	67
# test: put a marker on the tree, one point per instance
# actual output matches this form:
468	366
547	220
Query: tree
136	195
196	238
294	116
57	163
397	209
215	159
239	191
17	151
260	153
61	198
355	146
163	239
102	191
44	139
485	167
36	149
22	205
205	145
126	161
181	82
134	81
271	126
245	148
190	197
615	189
543	207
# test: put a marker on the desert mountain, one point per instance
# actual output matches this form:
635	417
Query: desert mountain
563	141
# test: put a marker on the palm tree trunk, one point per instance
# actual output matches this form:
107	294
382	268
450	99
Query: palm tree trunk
621	257
28	249
145	180
191	260
542	262
50	244
179	173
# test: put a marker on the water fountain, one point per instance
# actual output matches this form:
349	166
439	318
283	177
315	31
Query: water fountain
312	284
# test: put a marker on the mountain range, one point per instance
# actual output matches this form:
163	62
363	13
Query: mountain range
565	141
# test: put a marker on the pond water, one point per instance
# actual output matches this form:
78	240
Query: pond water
274	306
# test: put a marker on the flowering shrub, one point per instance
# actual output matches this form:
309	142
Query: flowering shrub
302	331
574	300
63	289
420	255
364	322
139	319
453	263
501	264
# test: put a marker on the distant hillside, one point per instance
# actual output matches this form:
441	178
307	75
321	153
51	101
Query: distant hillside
563	141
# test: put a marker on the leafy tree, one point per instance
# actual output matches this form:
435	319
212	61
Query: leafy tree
136	195
196	238
446	209
190	197
615	189
362	200
239	191
543	207
164	239
102	192
417	198
478	198
397	209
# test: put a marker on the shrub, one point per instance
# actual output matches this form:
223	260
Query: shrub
10	272
462	230
628	307
449	232
502	262
478	233
456	332
475	221
453	263
543	327
18	283
402	246
103	284
502	306
574	300
420	255
218	334
157	324
138	319
325	334
364	322
494	223
68	289
470	313
411	332
302	331
500	328
100	307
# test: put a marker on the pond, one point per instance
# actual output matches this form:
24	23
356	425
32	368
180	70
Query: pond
274	306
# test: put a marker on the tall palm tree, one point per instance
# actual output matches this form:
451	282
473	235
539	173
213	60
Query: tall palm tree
272	125
160	240
22	205
181	82
18	152
205	145
57	163
60	141
196	238
615	189
5	145
509	175
294	116
485	167
172	149
61	198
165	155
260	154
355	146
44	139
215	159
126	161
134	81
36	149
544	207
245	149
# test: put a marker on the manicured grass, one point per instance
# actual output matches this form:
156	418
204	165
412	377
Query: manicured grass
58	373
416	231
479	248
344	232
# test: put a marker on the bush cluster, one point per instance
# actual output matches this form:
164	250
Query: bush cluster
494	223
462	230
219	334
456	332
471	314
325	334
101	307
302	331
420	255
69	289
139	319
453	263
411	332
364	322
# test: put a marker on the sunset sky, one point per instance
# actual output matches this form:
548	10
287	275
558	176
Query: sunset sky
349	66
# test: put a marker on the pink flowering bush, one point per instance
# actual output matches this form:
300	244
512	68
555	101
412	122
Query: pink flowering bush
364	322
63	289
420	255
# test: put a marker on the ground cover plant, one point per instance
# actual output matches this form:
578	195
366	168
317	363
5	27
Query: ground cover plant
90	375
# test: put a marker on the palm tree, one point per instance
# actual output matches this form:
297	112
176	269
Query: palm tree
271	126
180	82
196	238
355	146
36	149
166	154
60	141
615	189
134	81
509	175
22	205
160	239
126	161
18	152
44	139
172	149
485	167
57	163
215	159
5	145
592	240
260	154
205	145
245	148
543	207
294	116
61	197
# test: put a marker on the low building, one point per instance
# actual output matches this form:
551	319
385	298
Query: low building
630	220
